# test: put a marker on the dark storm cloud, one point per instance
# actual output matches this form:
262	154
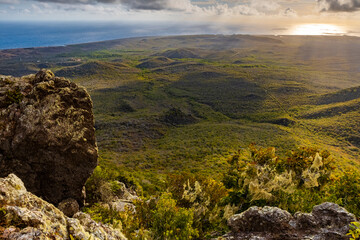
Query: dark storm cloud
339	5
133	4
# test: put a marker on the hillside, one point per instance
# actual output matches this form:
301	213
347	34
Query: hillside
203	127
270	90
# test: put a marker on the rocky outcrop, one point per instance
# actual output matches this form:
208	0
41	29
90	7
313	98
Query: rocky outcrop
25	216
47	135
120	200
326	221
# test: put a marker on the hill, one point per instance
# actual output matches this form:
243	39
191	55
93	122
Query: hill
203	126
239	89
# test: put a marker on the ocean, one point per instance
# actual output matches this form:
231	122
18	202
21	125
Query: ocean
43	34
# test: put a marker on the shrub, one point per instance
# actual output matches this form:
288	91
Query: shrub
354	231
345	191
203	196
103	184
257	176
172	222
104	214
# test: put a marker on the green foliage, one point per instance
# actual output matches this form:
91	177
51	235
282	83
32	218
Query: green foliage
196	206
345	191
354	231
203	196
258	176
104	214
104	184
2	216
172	222
175	116
14	96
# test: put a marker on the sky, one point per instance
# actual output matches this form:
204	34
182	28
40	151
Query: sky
280	15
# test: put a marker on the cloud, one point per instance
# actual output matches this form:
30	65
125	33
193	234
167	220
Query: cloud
9	1
253	7
198	8
339	5
289	12
132	4
264	6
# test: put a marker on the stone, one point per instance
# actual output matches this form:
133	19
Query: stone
326	221
121	200
69	207
47	135
122	206
331	215
269	219
30	217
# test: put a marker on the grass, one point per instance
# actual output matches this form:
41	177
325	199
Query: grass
238	89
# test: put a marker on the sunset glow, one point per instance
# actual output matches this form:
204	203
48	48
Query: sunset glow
317	29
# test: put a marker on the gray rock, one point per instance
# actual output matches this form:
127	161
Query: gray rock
332	216
30	217
255	219
122	206
327	221
305	221
47	135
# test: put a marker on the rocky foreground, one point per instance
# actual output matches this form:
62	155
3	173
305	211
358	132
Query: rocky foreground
327	221
26	216
47	135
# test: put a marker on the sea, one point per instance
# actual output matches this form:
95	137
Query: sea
43	34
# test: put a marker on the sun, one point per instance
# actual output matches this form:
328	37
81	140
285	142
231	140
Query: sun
317	29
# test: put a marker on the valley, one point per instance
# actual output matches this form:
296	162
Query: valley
166	105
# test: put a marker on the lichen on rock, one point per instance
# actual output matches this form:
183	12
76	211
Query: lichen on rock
47	135
27	216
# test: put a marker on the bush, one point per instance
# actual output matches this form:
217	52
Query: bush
103	185
354	231
203	196
257	176
345	191
104	214
172	222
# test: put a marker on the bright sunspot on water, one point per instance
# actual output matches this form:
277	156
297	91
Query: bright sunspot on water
317	29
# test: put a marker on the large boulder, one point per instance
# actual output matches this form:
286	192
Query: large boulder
47	135
326	221
26	216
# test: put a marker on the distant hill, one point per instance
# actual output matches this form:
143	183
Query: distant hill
180	53
340	96
334	109
155	62
91	68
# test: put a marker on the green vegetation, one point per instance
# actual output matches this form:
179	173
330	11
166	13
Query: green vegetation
258	177
194	206
175	116
354	231
13	96
171	222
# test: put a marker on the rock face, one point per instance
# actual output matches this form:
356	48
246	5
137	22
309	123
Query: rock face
326	221
25	216
47	135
